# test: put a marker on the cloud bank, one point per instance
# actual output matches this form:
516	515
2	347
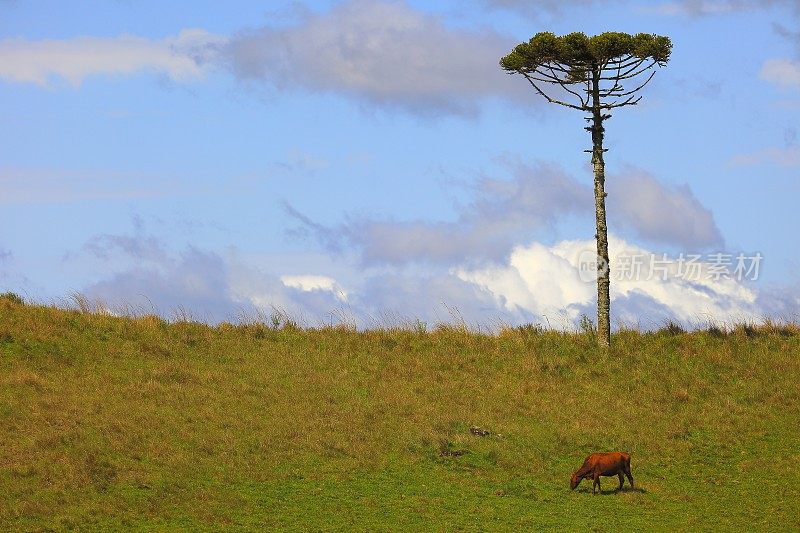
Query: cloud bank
536	283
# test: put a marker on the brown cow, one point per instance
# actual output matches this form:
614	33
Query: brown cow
603	464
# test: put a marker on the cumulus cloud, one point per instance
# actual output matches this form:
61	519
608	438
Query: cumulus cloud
384	53
553	281
180	57
537	279
668	215
505	213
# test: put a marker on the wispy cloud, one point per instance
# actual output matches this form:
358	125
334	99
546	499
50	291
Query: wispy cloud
782	72
714	7
5	261
784	157
536	9
179	57
381	53
677	7
139	245
50	185
503	213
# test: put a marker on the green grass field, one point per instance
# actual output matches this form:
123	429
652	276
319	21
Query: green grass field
137	424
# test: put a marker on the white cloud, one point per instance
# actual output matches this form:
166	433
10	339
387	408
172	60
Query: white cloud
383	53
546	280
309	283
537	279
783	72
180	57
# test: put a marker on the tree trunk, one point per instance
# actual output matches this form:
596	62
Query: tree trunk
603	265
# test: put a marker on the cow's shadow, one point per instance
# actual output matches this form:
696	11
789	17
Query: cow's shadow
611	492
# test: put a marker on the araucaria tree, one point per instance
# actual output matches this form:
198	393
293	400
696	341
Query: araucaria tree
590	74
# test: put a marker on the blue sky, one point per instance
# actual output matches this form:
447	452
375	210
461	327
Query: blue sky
368	160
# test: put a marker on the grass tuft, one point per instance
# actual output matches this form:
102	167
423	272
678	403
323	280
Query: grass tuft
12	298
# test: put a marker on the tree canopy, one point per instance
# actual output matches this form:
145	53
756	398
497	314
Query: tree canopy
576	58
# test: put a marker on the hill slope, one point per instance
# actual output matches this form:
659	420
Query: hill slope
110	423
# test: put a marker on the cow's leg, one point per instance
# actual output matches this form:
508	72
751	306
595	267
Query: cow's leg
621	481
596	484
628	474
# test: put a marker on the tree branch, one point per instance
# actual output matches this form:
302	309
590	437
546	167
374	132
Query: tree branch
622	75
564	86
627	57
632	74
553	100
650	77
629	101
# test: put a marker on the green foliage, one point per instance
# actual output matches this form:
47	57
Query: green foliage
118	424
578	53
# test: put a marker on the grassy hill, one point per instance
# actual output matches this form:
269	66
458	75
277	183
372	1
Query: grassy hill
135	423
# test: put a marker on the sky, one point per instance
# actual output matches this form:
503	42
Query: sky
368	162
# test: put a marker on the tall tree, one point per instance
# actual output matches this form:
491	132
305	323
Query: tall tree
588	74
